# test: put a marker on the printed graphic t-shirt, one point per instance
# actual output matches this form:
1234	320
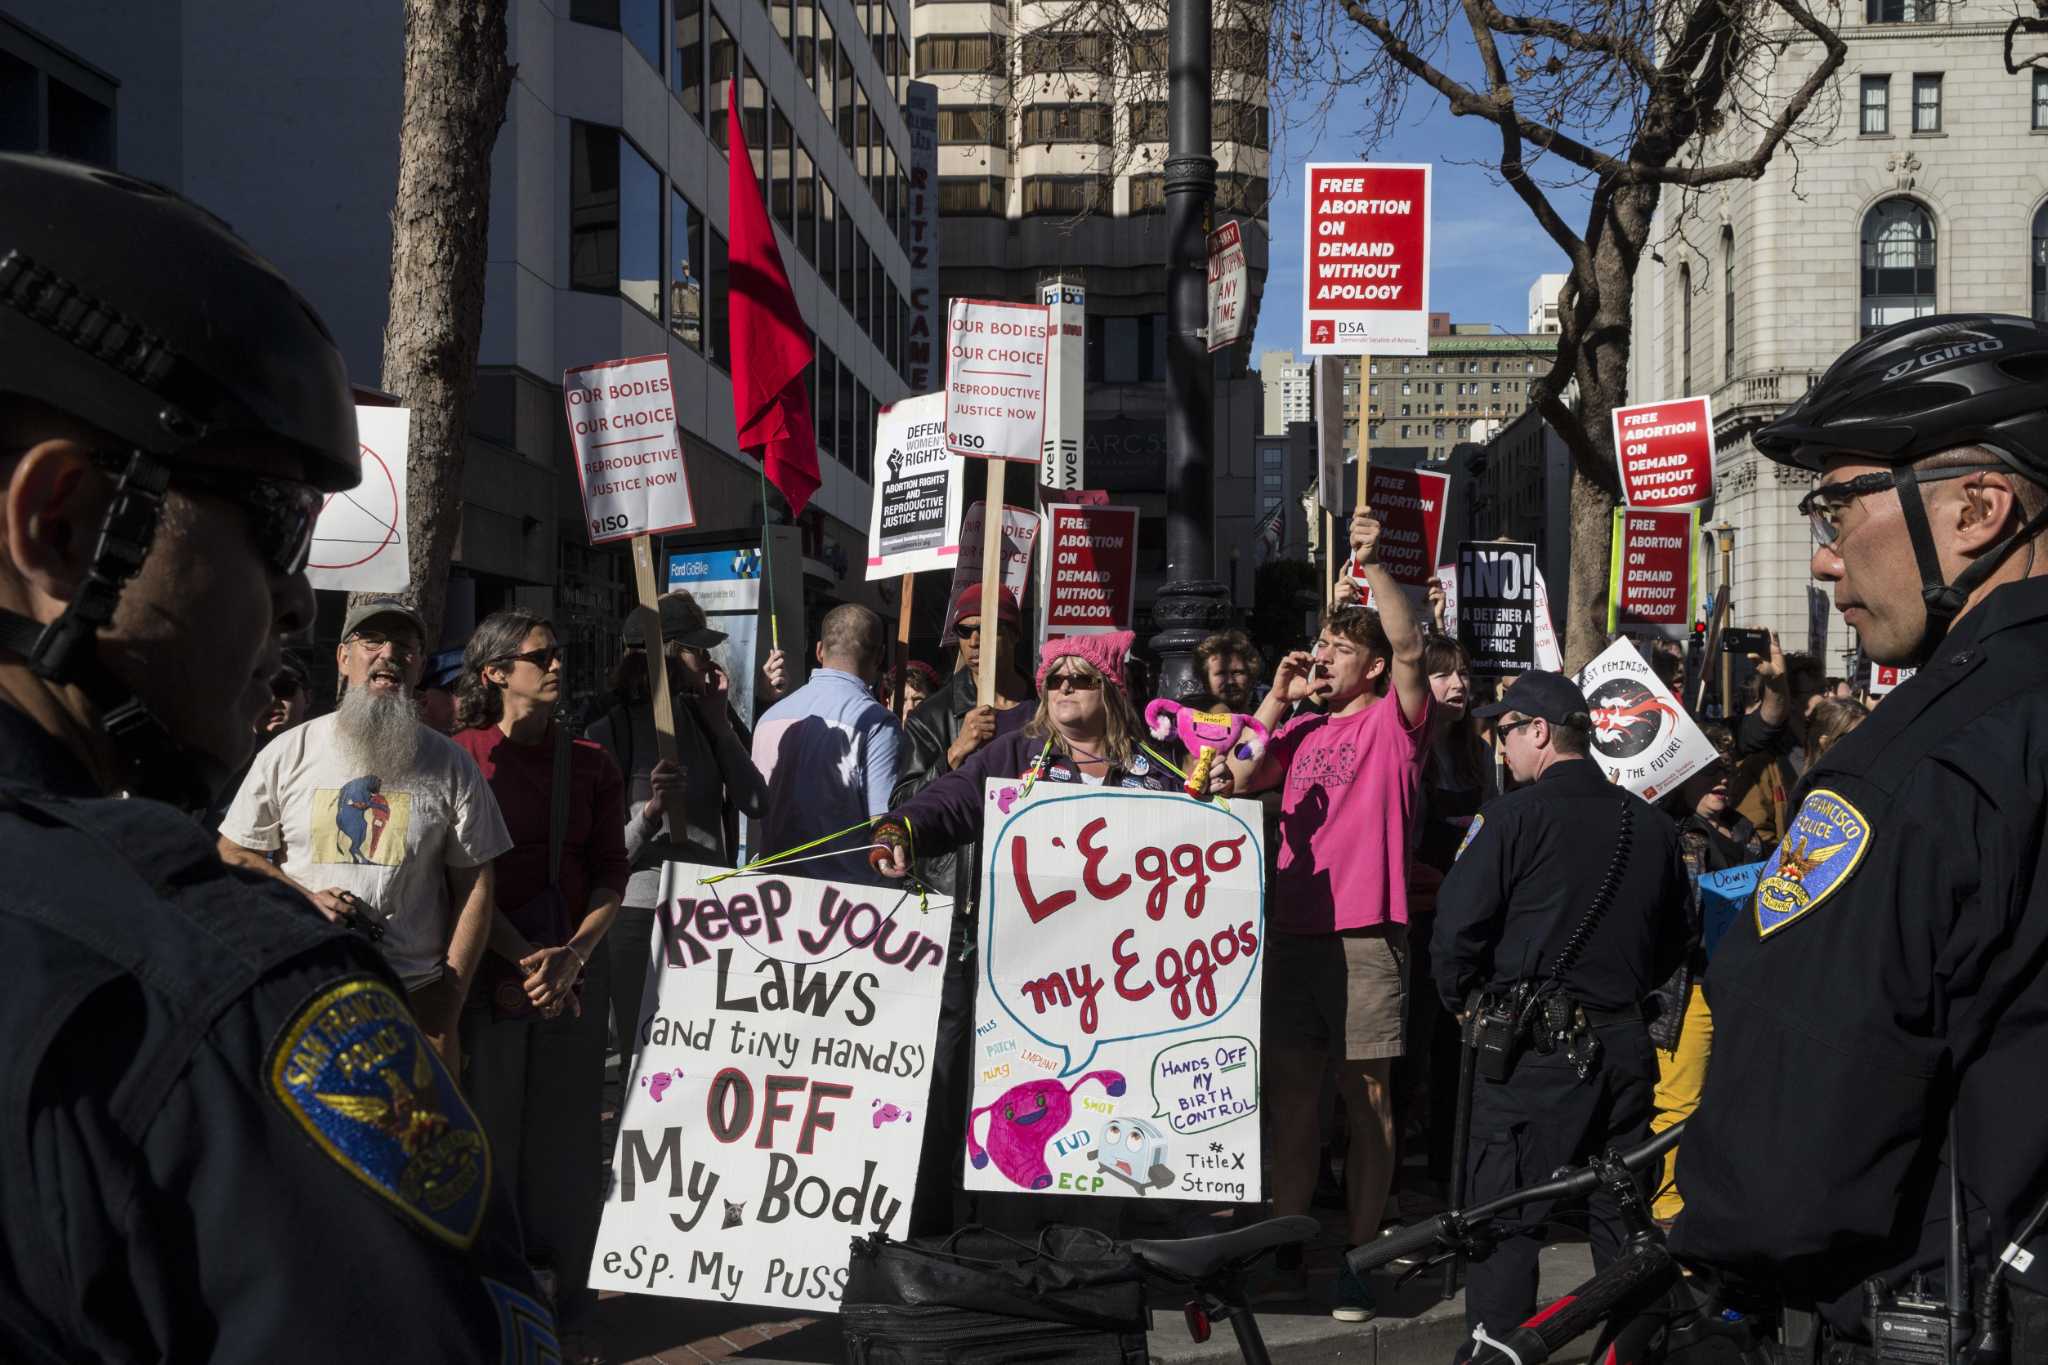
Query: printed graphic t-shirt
1348	802
389	839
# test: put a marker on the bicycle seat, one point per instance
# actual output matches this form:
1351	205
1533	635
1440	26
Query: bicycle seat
1198	1258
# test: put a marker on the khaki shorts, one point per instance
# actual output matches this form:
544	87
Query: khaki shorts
1344	993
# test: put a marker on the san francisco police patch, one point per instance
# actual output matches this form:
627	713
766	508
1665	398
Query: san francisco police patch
1821	848
353	1068
1471	831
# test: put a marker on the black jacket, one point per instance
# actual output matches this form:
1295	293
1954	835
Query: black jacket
928	732
226	1138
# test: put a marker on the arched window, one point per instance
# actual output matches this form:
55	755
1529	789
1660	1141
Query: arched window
1898	263
1727	303
1685	329
2041	264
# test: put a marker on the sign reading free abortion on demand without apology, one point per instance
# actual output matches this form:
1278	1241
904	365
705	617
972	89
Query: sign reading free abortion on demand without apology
1116	1046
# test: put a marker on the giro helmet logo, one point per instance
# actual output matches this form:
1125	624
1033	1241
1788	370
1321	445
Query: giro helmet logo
1627	717
1945	353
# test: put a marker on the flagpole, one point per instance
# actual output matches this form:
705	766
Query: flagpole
767	561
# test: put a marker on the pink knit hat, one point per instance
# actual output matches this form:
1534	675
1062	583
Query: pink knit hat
1104	652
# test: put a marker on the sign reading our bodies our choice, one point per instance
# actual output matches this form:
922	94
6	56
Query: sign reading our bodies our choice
996	378
1642	737
1116	1047
920	489
1666	453
628	448
1365	260
777	1107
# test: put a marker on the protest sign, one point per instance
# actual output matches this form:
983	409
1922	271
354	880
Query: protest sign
1116	1048
1227	285
921	235
920	490
1723	896
1641	735
1410	506
628	449
1495	606
1886	677
777	1106
359	540
1093	587
1365	260
1654	573
1666	453
996	379
1020	534
1549	654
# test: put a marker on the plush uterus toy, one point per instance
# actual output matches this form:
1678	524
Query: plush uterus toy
1205	733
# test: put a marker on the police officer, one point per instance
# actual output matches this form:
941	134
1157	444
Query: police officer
1564	909
1887	998
226	1138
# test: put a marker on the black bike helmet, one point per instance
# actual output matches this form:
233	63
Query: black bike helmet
1917	389
141	315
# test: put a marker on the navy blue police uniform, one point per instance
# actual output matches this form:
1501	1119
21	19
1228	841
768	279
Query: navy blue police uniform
226	1138
1530	869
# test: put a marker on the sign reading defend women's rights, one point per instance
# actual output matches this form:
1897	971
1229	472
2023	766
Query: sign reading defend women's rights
1116	1039
1641	735
777	1108
628	448
920	489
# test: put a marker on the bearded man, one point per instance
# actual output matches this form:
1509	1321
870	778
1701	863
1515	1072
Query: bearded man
379	821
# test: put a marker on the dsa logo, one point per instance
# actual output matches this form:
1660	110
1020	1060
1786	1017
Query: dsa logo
1322	333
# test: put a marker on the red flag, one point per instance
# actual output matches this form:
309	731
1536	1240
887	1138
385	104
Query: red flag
770	344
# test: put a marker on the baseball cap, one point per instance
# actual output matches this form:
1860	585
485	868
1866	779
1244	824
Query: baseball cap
682	623
1546	696
443	670
370	608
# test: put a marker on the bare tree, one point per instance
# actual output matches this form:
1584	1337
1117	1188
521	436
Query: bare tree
456	83
1629	98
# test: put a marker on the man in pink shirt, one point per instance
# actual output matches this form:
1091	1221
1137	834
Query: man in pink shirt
1337	922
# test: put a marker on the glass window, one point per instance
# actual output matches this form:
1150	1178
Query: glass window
1727	303
781	182
1877	105
847	421
971	125
1898	263
1148	121
718	315
2041	99
962	195
754	118
846	262
685	273
1148	194
863	285
1239	121
784	14
1237	193
806	205
2041	264
639	20
825	417
1898	11
687	75
1046	52
1148	51
1066	194
724	61
876	325
1927	103
965	53
843	87
828	56
863	432
805	45
891	206
614	217
1238	49
1066	123
828	235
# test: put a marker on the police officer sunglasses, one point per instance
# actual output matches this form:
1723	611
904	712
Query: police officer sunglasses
1824	506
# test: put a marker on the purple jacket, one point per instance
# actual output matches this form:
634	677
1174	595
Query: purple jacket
947	813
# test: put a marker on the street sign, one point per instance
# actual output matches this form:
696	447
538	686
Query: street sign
1654	573
996	379
1365	260
1228	282
628	449
1093	586
1666	453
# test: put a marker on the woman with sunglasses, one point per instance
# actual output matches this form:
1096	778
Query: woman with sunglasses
534	1035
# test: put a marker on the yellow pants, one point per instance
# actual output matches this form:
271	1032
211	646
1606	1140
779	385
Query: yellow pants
1680	1076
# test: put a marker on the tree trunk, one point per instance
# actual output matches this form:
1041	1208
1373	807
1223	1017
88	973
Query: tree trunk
456	83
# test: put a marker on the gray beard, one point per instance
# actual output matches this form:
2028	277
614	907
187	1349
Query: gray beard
379	733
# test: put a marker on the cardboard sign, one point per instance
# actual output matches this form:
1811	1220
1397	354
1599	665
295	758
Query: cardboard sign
777	1106
921	236
1093	587
1723	896
359	540
1886	677
1666	453
1496	607
1020	534
628	449
1654	573
1365	260
1641	735
920	490
1228	281
1331	457
996	379
1549	654
1116	1048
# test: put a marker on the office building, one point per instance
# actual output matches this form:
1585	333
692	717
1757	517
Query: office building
1471	376
1290	390
1543	297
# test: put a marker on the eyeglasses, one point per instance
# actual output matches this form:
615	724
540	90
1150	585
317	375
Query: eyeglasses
542	659
1071	682
1513	726
1824	506
281	513
402	651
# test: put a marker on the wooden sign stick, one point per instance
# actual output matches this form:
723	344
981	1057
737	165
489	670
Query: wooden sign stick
648	613
903	646
991	581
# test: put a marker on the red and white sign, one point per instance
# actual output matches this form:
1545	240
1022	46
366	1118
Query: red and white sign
1410	506
1228	277
1093	587
628	449
1365	260
1650	586
1666	453
1886	677
996	379
359	540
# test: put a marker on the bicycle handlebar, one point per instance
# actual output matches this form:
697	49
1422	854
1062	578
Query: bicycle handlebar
1447	1230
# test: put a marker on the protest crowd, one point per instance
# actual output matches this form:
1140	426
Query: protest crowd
450	899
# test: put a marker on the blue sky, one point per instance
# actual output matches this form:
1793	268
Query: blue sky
1487	249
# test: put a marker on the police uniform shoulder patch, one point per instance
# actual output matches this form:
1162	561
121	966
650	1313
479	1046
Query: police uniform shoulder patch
526	1327
1471	831
1823	844
357	1074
